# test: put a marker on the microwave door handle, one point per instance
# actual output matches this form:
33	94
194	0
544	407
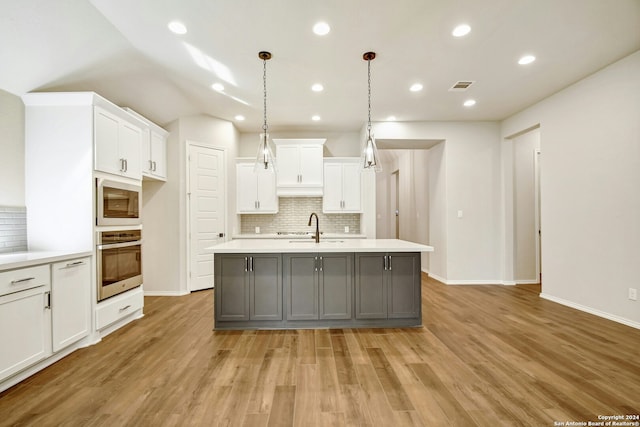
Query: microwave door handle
119	245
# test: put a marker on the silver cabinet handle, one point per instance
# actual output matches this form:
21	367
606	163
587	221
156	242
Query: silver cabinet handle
258	204
246	264
315	263
389	262
126	307
250	263
154	166
321	263
47	295
122	165
74	264
126	165
26	279
384	262
151	165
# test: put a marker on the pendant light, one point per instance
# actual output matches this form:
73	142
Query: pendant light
265	160
370	159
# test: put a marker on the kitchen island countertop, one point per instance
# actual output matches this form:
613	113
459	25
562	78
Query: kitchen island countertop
309	246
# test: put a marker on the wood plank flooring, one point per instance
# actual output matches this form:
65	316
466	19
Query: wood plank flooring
486	356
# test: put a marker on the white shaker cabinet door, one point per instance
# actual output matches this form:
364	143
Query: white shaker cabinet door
106	142
158	156
129	143
351	191
311	165
288	161
332	197
25	330
267	197
247	189
70	302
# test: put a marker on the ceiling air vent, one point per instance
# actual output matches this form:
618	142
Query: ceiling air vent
460	86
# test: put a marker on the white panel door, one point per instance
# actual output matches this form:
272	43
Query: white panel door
206	192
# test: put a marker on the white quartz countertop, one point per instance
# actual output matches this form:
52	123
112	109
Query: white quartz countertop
309	246
12	261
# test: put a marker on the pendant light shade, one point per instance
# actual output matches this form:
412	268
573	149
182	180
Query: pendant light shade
265	159
370	159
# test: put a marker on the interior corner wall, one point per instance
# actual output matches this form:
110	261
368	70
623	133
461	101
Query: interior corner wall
590	203
12	186
169	200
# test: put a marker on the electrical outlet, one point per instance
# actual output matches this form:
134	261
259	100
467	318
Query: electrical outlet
257	230
633	294
346	228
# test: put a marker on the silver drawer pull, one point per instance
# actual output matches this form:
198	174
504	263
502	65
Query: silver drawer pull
126	307
75	264
15	282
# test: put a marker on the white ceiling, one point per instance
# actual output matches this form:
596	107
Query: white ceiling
123	50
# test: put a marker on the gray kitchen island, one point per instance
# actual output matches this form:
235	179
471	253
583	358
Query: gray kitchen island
297	284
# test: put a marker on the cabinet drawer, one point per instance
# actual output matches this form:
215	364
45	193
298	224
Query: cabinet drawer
118	307
24	278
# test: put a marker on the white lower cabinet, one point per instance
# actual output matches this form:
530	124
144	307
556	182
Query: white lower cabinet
119	307
25	319
70	302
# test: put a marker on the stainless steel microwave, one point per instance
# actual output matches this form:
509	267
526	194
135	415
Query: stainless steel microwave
118	203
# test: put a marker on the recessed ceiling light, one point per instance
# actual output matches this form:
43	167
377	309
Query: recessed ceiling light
321	28
239	118
315	118
217	86
469	103
416	87
391	118
527	59
461	30
317	87
177	27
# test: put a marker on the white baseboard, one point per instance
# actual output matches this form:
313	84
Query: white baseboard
165	293
590	310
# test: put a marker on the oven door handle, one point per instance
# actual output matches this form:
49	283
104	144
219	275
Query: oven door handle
118	245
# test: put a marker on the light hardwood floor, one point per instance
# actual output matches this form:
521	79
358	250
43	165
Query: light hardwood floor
487	356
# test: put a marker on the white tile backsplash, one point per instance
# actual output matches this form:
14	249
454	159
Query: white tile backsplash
293	216
13	229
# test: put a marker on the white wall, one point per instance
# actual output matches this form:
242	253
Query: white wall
165	204
338	144
11	150
590	170
472	178
438	211
524	186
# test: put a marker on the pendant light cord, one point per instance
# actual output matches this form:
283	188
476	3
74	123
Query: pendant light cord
264	83
369	94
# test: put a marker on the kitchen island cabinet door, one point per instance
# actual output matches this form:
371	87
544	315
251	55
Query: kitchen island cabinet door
265	287
371	286
301	282
232	287
335	285
404	285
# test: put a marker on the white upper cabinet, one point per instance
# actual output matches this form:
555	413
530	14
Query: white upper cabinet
300	167
342	187
154	149
256	191
117	144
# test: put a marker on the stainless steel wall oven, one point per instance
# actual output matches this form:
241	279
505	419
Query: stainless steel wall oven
119	262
